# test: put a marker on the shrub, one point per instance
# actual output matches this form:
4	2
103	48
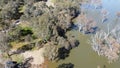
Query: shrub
26	31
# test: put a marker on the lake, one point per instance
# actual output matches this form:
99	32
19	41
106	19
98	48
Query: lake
83	56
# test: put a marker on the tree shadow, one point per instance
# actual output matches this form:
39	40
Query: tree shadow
66	65
94	30
61	32
63	53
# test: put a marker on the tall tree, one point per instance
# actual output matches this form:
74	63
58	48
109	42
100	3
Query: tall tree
4	43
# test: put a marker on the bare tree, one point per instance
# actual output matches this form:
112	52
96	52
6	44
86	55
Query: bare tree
85	25
107	43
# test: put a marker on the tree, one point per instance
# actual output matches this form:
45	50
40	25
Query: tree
86	25
10	10
107	43
4	43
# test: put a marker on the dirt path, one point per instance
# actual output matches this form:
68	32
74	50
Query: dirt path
38	58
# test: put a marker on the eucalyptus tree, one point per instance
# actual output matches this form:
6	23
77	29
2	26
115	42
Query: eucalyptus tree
10	10
4	43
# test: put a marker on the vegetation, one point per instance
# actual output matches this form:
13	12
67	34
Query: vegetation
4	43
107	43
86	25
26	25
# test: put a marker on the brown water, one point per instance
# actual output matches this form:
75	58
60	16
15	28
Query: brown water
84	57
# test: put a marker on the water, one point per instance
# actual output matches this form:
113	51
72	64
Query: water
111	6
83	56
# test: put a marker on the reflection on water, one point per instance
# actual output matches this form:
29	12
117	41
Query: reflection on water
111	6
84	57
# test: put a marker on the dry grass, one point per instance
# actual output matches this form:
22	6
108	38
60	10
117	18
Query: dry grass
18	58
16	45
